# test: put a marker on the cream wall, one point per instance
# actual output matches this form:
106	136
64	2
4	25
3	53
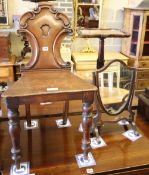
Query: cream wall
112	17
17	7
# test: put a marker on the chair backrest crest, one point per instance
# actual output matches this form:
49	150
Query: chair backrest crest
45	27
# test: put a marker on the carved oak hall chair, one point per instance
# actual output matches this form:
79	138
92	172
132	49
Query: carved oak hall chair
45	34
46	77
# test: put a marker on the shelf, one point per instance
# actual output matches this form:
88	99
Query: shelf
146	42
134	42
135	30
133	54
88	4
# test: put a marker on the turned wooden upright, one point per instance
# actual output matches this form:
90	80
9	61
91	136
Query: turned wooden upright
46	77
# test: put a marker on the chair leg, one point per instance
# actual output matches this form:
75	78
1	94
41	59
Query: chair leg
28	115
125	127
65	112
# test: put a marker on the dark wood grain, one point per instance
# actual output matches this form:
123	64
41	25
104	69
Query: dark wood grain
52	151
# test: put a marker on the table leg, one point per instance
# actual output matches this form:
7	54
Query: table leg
86	124
65	112
14	131
28	115
100	60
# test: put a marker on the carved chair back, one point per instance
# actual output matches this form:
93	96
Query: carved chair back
45	29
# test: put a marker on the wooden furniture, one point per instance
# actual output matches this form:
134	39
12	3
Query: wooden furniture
114	100
143	104
127	157
86	14
136	22
4	46
6	70
46	77
85	63
6	59
102	34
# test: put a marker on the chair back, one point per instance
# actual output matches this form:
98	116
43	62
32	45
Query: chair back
45	28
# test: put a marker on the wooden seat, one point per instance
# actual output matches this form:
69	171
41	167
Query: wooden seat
46	77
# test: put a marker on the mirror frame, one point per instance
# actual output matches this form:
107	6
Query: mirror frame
128	103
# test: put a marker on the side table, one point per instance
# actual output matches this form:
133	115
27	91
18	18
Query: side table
102	34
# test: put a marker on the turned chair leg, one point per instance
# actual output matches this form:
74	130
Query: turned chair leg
28	115
65	112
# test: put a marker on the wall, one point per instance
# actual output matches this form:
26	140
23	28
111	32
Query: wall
112	17
18	7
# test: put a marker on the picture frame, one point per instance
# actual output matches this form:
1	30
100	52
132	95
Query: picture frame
3	13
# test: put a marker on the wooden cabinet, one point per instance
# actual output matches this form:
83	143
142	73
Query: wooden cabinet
6	70
136	22
6	59
86	14
4	46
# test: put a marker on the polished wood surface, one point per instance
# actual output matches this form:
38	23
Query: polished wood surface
51	150
4	46
105	33
58	82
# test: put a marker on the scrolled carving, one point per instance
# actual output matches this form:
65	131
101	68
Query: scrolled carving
45	30
45	27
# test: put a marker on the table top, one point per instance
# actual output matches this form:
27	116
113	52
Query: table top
105	33
48	82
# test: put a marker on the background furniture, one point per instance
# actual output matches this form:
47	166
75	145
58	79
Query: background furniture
143	104
7	70
4	46
102	34
86	14
46	77
114	100
6	59
136	22
6	62
85	63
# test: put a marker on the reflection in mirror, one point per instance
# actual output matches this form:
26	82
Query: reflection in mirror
115	83
114	87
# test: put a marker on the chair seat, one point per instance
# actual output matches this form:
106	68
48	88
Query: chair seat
47	82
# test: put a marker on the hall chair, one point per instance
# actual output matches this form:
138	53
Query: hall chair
44	41
114	99
46	77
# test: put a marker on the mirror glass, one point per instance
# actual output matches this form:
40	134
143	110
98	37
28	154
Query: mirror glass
114	87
